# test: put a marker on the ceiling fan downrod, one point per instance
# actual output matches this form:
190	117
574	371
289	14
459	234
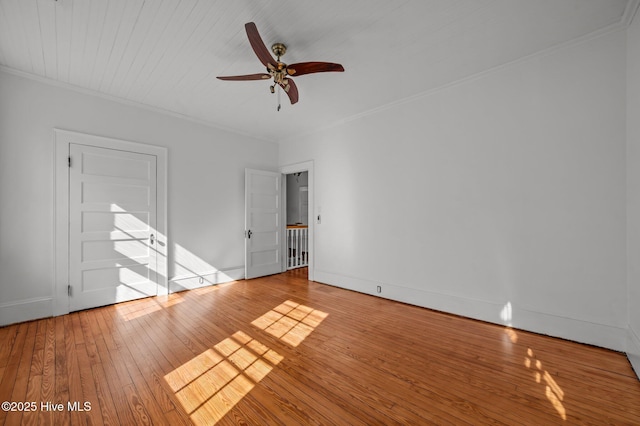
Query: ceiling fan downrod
279	50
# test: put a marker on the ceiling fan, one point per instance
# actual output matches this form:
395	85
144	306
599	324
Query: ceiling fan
279	71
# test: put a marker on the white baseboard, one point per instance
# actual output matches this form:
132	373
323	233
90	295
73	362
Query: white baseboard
25	310
190	282
633	350
36	308
581	331
577	330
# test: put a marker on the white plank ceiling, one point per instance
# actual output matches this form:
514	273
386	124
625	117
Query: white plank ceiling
165	54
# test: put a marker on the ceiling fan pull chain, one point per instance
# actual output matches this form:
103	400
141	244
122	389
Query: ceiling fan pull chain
279	97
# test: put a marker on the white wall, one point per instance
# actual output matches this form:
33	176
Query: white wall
500	198
205	186
294	183
633	188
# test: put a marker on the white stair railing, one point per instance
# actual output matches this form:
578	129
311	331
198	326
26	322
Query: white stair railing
297	247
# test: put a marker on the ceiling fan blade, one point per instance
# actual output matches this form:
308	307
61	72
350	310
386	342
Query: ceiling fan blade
303	68
261	76
258	46
291	91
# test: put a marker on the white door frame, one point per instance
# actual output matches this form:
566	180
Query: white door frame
306	166
62	140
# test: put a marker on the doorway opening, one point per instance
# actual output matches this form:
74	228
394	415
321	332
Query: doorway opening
297	220
298	211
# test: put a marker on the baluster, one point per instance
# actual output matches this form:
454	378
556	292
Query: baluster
289	262
297	243
303	235
306	247
297	246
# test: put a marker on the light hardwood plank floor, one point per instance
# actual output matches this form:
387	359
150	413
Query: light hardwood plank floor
284	350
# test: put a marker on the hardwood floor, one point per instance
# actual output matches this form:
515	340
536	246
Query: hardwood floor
283	350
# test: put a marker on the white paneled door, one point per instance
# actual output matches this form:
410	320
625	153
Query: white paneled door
262	223
112	221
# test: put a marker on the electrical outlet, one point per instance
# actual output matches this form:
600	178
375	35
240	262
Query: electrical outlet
379	289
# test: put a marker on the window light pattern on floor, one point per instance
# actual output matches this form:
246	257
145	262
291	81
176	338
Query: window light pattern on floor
210	384
553	391
290	322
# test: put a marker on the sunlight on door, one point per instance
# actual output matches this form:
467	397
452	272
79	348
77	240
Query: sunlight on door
136	240
128	226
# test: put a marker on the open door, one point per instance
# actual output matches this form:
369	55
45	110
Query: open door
263	255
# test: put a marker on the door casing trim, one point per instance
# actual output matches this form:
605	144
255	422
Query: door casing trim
306	166
62	140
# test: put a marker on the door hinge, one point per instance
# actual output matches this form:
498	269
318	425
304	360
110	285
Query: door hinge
69	158
69	290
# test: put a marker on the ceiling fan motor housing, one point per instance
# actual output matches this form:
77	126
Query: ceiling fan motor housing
279	49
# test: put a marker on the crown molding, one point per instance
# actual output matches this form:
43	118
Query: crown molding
95	93
630	12
610	29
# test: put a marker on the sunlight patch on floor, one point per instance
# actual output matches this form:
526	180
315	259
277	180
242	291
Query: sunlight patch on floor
138	308
168	300
290	322
129	313
513	336
553	391
212	383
